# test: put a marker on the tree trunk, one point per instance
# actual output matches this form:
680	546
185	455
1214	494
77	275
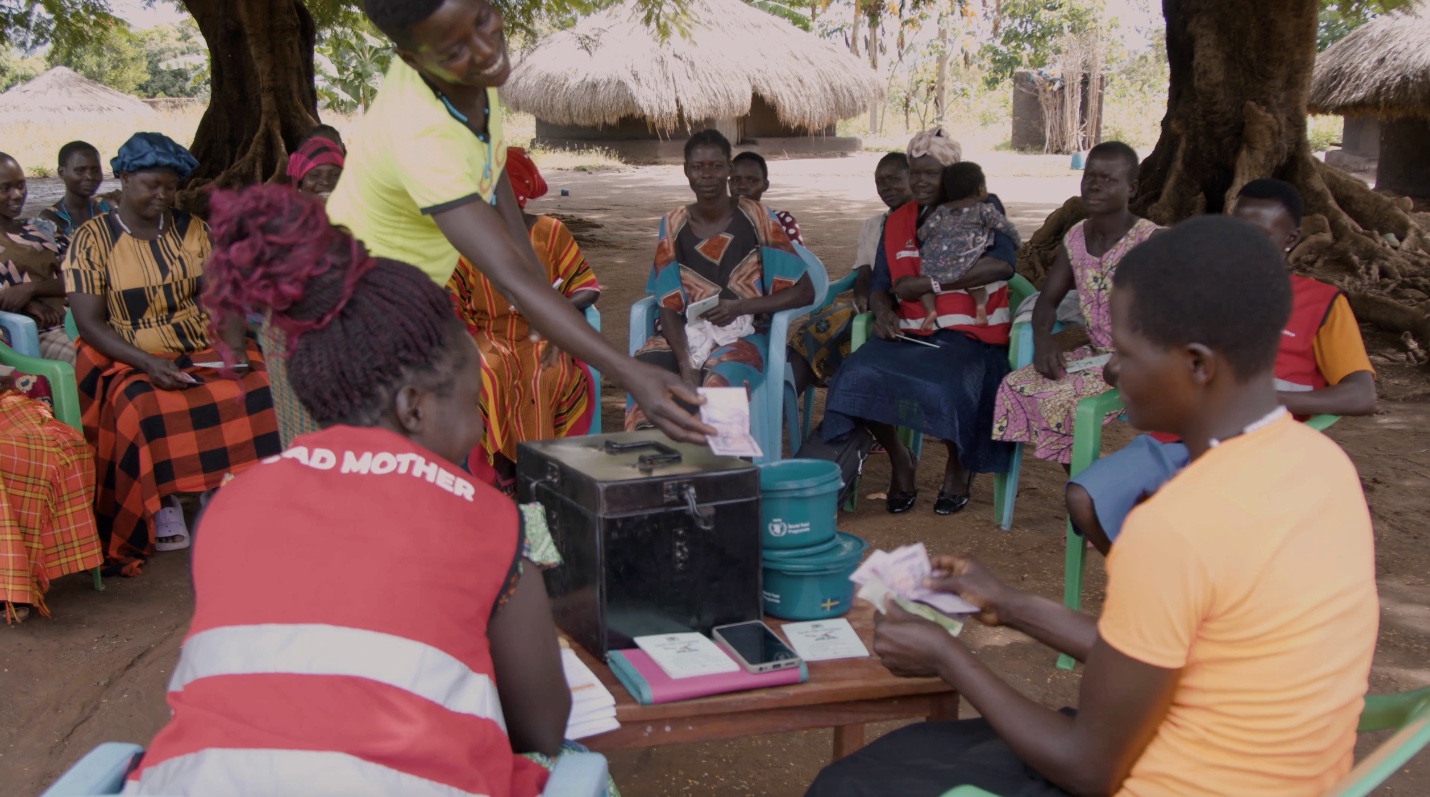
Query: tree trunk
854	33
940	91
874	105
1236	111
263	95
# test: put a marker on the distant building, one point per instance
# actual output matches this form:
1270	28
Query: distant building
62	96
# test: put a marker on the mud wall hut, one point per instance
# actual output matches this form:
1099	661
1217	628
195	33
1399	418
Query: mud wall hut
1378	78
610	82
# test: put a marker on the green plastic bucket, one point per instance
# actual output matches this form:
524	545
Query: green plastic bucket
798	502
813	587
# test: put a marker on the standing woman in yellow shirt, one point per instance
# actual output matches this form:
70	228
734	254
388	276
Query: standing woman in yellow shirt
423	184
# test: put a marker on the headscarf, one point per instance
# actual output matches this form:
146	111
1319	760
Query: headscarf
316	151
526	180
936	143
145	152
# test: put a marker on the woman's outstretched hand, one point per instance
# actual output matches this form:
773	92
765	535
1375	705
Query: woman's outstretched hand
966	578
656	390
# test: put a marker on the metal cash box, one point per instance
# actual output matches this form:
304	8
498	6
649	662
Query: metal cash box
657	536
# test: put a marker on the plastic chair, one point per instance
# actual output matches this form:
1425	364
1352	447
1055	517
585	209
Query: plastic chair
766	411
71	328
103	770
593	317
63	393
1408	711
792	401
24	335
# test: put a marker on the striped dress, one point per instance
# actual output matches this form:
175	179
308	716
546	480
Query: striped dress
359	663
521	400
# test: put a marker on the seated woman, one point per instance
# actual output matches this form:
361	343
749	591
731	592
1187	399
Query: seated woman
944	388
530	389
165	417
47	527
360	665
30	282
1037	404
731	259
314	169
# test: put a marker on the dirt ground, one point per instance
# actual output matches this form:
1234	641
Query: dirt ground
97	671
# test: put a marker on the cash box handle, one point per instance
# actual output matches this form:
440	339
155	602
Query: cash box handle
665	455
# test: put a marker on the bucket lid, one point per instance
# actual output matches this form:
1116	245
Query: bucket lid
847	552
797	554
798	474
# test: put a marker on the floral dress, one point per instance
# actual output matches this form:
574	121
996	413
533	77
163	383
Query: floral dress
1039	411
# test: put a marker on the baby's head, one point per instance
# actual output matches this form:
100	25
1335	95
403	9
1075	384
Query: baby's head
964	181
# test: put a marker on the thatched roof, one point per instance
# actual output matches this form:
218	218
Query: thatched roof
1380	69
61	94
610	65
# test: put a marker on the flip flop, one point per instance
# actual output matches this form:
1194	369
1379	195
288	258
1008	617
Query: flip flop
169	522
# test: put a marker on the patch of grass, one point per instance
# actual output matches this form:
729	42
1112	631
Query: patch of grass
592	159
36	144
1323	132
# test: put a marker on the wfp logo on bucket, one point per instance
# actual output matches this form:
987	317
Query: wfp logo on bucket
779	528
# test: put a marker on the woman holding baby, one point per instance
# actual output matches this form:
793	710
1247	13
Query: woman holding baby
722	267
941	347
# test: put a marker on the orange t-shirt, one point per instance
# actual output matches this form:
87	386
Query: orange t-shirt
1253	572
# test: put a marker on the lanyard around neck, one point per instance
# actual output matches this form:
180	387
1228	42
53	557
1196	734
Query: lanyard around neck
466	121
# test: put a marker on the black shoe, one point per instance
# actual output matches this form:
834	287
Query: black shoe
949	504
899	503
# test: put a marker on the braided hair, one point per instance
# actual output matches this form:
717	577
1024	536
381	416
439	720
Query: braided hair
357	328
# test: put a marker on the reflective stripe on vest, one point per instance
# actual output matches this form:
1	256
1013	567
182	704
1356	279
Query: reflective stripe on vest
240	773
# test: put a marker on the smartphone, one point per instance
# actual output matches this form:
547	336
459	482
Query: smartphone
755	646
695	310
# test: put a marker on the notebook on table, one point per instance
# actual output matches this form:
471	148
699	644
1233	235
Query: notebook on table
648	683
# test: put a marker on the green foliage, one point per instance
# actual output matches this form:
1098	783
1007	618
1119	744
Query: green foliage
110	54
15	69
797	17
350	64
1030	31
177	61
28	24
1340	17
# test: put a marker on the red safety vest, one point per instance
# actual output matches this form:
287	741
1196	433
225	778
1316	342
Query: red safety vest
956	309
339	639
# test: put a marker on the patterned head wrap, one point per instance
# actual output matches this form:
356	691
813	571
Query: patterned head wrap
145	152
526	181
936	143
316	151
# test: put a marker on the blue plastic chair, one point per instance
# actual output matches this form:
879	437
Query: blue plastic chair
593	317
792	401
24	335
104	769
1407	712
766	410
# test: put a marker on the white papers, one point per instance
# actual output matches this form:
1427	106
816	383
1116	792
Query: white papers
686	655
593	707
825	640
728	410
1088	363
904	572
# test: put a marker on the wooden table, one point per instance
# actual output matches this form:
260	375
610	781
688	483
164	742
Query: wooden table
843	695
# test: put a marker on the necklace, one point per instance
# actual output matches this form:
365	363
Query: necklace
1255	426
130	232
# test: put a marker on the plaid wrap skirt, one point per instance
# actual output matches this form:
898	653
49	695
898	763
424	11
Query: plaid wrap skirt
153	443
47	527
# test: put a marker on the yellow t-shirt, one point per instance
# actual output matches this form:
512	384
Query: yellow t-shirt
408	159
1338	346
1253	572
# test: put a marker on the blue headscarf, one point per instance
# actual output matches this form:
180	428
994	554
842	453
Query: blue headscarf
151	151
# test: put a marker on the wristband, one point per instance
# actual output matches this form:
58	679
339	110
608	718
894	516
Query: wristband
937	288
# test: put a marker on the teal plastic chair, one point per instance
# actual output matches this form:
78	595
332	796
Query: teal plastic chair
71	328
1019	288
63	393
794	418
593	317
24	335
103	770
767	400
1407	711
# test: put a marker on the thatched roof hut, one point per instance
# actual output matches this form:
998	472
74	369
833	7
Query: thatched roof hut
1378	77
63	96
610	80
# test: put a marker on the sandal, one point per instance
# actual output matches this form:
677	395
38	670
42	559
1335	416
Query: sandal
15	612
953	504
169	525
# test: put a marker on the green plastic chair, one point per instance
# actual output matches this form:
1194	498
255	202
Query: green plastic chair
1087	448
1019	288
63	393
1408	711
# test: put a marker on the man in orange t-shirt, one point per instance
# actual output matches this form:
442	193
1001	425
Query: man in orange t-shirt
1235	643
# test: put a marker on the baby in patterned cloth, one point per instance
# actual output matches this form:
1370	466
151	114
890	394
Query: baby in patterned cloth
957	234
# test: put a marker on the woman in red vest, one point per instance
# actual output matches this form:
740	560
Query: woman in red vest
1321	368
364	620
944	385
